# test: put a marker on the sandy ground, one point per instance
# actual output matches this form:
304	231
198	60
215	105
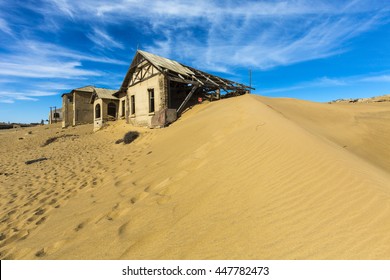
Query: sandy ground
242	178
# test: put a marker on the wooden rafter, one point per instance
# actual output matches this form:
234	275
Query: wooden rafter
144	64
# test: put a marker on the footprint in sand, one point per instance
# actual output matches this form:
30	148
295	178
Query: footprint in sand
123	229
40	221
139	197
40	253
40	211
52	201
79	227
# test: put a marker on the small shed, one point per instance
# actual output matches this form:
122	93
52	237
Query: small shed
105	106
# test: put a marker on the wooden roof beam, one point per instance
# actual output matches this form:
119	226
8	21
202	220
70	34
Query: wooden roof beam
208	79
184	81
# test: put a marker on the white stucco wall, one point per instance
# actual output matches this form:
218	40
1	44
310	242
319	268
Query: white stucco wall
142	117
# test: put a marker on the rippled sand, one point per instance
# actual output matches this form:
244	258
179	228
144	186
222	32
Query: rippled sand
243	178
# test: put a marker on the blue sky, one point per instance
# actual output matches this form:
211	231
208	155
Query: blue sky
313	50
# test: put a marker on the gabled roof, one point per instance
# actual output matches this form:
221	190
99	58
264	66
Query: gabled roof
105	93
181	73
86	89
165	63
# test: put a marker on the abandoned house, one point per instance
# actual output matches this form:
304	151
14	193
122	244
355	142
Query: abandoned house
156	90
78	105
154	93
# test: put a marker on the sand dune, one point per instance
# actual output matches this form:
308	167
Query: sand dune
242	178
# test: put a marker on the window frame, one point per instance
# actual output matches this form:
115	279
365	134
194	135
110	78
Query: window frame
123	111
152	101
132	109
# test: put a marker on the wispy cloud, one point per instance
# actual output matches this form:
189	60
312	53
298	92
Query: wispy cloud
26	94
102	39
333	82
31	69
377	78
68	38
257	34
4	27
39	49
65	6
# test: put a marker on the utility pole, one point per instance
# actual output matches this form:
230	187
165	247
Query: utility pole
250	80
51	115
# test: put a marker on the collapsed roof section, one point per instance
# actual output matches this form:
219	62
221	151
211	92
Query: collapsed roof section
175	71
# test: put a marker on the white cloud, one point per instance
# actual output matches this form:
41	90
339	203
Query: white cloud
22	97
257	34
252	34
4	27
38	49
35	59
104	40
333	82
6	100
41	68
65	6
25	94
32	69
378	78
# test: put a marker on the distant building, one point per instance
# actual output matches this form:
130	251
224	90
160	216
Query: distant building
55	115
78	105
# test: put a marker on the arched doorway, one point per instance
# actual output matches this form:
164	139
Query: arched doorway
97	111
111	109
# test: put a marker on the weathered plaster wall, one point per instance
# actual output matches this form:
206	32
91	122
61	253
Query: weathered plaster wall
122	108
99	122
82	108
142	117
67	111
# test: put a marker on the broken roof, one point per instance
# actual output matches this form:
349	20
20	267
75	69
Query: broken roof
181	73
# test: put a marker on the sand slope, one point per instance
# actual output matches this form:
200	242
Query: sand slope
363	129
242	178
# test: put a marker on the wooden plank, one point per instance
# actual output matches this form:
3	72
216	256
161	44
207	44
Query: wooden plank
146	78
198	80
185	81
208	79
186	99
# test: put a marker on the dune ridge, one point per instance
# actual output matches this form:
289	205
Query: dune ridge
242	178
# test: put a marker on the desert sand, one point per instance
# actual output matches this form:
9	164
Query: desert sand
248	177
